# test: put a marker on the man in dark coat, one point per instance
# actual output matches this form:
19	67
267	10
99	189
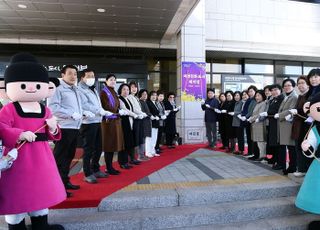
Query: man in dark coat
170	125
210	107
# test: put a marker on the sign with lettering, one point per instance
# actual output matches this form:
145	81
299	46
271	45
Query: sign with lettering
193	83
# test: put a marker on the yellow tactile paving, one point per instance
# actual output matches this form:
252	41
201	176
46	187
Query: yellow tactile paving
259	179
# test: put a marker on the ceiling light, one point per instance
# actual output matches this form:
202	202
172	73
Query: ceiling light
22	6
101	10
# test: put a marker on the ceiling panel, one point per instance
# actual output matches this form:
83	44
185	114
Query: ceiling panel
123	18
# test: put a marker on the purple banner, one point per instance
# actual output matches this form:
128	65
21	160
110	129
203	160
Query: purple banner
193	81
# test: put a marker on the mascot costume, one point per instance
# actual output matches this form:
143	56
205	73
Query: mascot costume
32	184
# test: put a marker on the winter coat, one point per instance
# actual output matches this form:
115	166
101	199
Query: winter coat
284	126
258	129
273	108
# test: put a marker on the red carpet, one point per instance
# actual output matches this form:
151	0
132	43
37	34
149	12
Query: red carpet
90	195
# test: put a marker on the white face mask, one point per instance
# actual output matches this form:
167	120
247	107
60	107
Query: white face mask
90	82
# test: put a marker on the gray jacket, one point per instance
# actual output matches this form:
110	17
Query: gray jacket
237	110
90	102
64	103
284	126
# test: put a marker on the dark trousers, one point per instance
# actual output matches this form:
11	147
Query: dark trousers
303	162
211	130
108	157
249	141
91	136
159	138
292	156
169	138
274	151
64	151
255	149
124	155
240	138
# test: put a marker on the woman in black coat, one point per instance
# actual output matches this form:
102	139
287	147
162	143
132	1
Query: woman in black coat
155	117
274	105
170	125
231	132
222	121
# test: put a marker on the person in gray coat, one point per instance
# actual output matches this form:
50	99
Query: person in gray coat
240	99
285	126
90	130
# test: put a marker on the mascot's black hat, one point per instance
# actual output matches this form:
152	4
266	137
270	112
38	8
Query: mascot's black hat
25	67
55	81
315	99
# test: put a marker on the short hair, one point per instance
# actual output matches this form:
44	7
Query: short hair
221	95
244	91
110	75
170	93
83	72
266	87
133	83
210	90
160	92
237	92
227	92
64	68
141	91
313	72
276	86
261	92
304	78
152	92
252	87
291	81
121	87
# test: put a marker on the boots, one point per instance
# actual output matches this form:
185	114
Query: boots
41	223
20	226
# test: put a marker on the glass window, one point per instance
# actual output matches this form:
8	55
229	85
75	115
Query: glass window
288	68
268	80
208	67
226	68
307	66
258	66
208	80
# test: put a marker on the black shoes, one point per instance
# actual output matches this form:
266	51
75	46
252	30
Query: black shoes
20	226
288	170
71	186
135	162
126	166
314	225
277	167
69	194
41	223
113	172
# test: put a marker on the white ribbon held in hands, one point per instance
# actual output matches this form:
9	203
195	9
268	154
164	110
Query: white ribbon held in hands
293	111
263	114
217	110
122	112
231	113
76	116
105	112
288	117
208	106
88	114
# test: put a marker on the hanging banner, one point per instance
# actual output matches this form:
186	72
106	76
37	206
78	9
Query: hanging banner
193	84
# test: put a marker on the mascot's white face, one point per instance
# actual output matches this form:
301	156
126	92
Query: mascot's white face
27	91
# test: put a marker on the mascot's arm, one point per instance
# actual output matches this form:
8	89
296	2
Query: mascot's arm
9	134
310	143
57	134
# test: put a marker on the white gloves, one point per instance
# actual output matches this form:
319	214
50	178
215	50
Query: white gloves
288	117
293	111
7	161
208	106
144	115
135	116
88	114
157	118
105	112
309	120
257	120
163	117
217	110
202	102
231	113
276	116
167	112
152	118
263	114
243	118
140	116
52	124
305	145
76	116
27	136
223	111
177	109
122	112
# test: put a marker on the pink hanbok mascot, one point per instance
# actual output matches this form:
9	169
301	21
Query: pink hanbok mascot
32	184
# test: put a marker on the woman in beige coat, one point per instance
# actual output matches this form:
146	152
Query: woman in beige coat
285	126
258	126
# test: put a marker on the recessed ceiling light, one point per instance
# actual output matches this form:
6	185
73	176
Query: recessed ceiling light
101	10
22	6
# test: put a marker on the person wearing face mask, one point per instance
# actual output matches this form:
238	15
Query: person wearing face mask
90	130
